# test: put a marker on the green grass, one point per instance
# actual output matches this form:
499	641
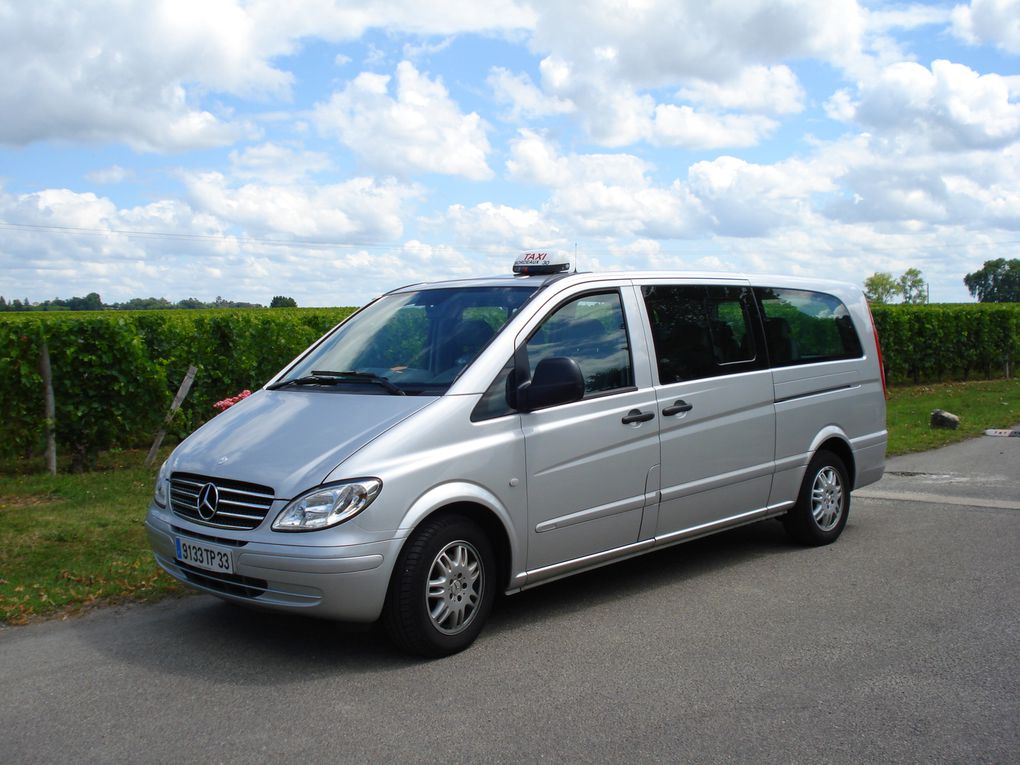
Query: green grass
979	405
72	541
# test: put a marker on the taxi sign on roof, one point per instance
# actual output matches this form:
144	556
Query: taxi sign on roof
541	263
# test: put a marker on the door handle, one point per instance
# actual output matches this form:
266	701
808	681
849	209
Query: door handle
636	415
678	407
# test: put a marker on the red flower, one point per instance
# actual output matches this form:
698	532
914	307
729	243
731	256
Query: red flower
229	402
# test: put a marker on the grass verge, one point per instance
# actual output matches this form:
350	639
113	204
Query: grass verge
69	542
979	405
73	541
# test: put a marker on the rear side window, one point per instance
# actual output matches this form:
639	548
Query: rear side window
701	330
803	327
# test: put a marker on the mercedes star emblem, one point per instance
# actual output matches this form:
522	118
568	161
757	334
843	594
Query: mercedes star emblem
208	501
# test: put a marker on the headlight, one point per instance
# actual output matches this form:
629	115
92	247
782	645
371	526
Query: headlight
328	505
161	486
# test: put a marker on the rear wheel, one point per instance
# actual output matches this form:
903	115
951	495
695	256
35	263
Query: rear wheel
823	504
442	588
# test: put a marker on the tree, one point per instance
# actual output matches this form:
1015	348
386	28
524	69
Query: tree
881	287
283	302
997	282
144	304
91	302
912	287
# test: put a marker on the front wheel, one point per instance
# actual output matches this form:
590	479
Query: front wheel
442	589
823	504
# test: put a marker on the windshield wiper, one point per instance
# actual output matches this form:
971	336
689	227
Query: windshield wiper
325	377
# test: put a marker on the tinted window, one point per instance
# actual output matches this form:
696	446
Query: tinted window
803	327
591	330
700	331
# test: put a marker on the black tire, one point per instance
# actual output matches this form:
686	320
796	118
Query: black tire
823	504
447	617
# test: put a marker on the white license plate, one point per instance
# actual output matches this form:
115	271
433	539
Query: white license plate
202	555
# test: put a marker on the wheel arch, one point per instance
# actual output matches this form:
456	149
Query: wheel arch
476	504
838	444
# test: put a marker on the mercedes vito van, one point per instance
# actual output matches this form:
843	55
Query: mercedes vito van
454	440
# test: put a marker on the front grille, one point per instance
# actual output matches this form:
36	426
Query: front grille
240	505
231	584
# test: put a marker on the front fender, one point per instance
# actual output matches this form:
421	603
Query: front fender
464	492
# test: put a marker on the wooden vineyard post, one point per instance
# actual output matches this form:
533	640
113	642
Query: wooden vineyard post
51	409
182	393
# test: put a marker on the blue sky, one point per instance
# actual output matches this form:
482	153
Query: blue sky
330	151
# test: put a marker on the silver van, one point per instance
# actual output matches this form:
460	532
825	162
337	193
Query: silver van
454	440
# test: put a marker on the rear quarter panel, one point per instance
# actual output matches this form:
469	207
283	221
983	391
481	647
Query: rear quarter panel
835	399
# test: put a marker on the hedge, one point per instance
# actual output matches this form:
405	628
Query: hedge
115	374
934	343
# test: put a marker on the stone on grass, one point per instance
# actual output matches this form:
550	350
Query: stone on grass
943	419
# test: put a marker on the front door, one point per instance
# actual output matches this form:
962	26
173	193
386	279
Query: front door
588	462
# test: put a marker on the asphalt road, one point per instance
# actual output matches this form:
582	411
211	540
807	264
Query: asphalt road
900	643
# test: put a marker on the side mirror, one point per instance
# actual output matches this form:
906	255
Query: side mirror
557	380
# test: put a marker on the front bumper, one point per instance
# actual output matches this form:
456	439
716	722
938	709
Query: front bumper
343	582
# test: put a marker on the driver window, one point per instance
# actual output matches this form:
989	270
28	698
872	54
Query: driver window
591	330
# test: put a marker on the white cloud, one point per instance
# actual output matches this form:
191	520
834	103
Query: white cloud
423	50
602	194
358	210
900	191
277	163
950	106
745	199
500	230
604	210
861	181
613	114
337	21
628	116
840	106
996	22
762	89
525	99
683	126
417	130
229	239
75	243
908	17
616	115
659	42
614	195
116	72
137	72
722	58
534	159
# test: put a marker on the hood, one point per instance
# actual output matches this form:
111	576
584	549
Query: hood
290	439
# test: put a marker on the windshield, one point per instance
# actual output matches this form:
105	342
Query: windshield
416	341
